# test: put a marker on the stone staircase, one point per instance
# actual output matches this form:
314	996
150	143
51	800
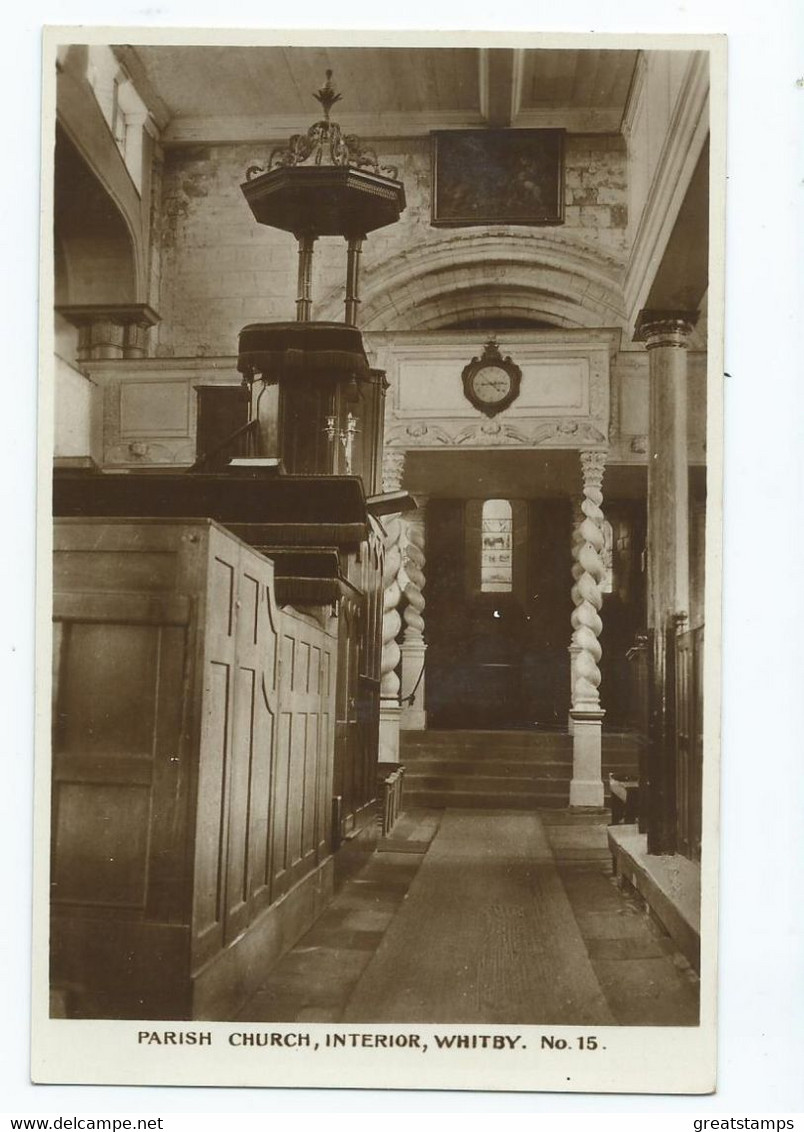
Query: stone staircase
501	770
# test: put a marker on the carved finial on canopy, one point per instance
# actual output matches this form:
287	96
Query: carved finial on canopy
324	144
327	96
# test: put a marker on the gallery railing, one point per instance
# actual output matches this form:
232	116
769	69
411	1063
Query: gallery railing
689	740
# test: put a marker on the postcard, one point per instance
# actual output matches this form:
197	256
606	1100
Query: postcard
378	717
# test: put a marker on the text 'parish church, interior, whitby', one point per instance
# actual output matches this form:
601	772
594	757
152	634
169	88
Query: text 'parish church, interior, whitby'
379	501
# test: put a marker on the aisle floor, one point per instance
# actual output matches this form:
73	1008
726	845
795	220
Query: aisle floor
471	916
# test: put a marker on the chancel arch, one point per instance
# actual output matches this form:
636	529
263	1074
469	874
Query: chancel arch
490	275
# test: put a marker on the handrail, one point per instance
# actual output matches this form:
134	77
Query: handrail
205	457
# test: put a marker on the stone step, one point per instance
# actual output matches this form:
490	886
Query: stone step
501	770
482	784
440	799
520	739
483	768
486	753
510	762
534	737
509	745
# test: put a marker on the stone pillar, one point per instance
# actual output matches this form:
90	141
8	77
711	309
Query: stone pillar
586	787
414	647
393	467
666	337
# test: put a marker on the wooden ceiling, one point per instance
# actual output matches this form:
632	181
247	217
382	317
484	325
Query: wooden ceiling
206	94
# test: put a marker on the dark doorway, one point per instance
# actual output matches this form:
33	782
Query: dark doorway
498	660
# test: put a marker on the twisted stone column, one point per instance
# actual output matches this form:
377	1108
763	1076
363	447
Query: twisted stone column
588	573
586	788
414	648
577	570
391	621
393	469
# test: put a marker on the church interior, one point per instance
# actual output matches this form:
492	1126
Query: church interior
380	501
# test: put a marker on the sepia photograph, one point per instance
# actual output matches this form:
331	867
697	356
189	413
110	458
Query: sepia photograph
385	387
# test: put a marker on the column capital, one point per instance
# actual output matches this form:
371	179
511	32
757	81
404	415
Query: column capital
121	314
113	330
393	469
665	328
593	465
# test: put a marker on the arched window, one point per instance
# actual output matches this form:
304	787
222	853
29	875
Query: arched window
497	547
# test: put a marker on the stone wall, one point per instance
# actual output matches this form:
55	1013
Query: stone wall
221	270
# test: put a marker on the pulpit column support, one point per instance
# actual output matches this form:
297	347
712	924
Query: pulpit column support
304	288
352	300
414	646
586	787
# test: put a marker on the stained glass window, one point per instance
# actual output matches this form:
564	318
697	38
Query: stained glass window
497	547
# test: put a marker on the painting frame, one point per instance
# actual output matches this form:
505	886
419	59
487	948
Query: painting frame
496	201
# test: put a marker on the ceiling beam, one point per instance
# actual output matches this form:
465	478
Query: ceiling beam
517	83
257	128
160	111
250	128
496	85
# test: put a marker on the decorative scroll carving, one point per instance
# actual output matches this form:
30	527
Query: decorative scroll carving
586	592
563	433
324	144
149	452
490	432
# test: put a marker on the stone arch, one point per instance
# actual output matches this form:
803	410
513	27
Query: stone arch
522	276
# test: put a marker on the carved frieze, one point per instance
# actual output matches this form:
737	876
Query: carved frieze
560	433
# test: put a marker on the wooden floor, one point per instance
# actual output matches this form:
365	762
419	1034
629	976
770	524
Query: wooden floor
484	917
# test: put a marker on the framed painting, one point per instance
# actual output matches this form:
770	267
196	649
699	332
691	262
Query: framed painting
498	177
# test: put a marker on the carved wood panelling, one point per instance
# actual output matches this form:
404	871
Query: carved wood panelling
150	406
118	676
303	779
181	797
